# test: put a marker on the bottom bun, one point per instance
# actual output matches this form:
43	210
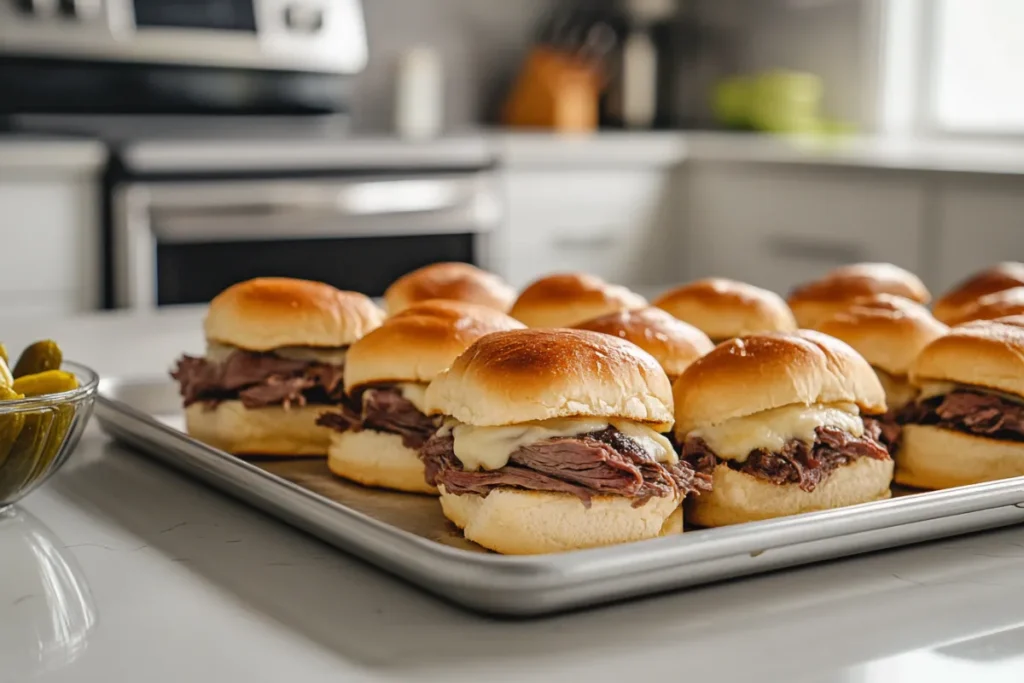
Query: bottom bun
273	430
517	522
738	497
377	459
936	458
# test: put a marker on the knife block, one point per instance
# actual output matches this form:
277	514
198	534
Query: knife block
554	90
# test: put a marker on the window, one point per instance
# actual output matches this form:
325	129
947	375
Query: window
976	66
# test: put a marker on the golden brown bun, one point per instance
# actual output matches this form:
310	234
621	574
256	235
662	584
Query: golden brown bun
454	281
985	353
523	375
377	459
996	279
273	430
991	306
272	312
752	374
672	342
724	309
813	302
421	341
936	458
889	331
515	522
738	497
568	299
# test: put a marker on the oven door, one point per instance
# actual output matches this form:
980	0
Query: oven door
183	242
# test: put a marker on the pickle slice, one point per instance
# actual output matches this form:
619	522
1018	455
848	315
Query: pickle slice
43	383
24	454
10	425
39	357
6	378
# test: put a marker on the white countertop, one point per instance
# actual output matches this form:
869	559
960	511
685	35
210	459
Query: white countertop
119	569
523	150
32	153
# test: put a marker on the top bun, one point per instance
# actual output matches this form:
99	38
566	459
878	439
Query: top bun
991	306
455	281
568	299
752	374
420	342
996	279
724	309
987	353
889	331
672	342
815	301
523	375
273	312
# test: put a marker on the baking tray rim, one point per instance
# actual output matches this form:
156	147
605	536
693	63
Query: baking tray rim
552	571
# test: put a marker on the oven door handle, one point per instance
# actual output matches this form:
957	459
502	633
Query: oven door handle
290	211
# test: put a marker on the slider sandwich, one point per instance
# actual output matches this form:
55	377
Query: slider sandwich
552	441
376	436
889	332
813	302
990	306
967	425
778	421
275	357
998	278
673	343
452	281
724	309
567	299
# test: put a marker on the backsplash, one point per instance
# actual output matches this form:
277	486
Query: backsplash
481	43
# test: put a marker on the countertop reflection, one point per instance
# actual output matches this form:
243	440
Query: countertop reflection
46	609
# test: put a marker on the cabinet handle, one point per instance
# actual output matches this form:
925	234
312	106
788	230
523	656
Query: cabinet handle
810	250
584	242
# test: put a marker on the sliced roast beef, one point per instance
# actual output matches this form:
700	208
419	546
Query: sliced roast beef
604	462
971	412
885	428
258	380
806	465
384	409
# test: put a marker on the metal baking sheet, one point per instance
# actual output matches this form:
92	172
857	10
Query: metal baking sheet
407	535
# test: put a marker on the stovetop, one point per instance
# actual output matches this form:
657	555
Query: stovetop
260	144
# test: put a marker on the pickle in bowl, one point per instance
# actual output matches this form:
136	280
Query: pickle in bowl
44	405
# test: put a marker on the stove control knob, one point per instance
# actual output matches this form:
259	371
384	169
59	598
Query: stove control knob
303	17
37	8
83	10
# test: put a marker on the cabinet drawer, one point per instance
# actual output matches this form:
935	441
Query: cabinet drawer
778	228
981	223
38	304
50	236
603	222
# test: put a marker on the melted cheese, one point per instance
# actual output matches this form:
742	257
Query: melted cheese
735	439
488	448
416	394
898	392
931	389
218	353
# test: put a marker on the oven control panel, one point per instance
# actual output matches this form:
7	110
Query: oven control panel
294	35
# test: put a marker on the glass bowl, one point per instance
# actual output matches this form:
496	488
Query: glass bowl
38	434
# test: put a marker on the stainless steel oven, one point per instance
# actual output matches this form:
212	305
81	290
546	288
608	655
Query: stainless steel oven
177	242
231	156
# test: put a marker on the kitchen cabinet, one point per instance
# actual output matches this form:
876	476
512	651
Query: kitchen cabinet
50	208
618	223
777	226
980	221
